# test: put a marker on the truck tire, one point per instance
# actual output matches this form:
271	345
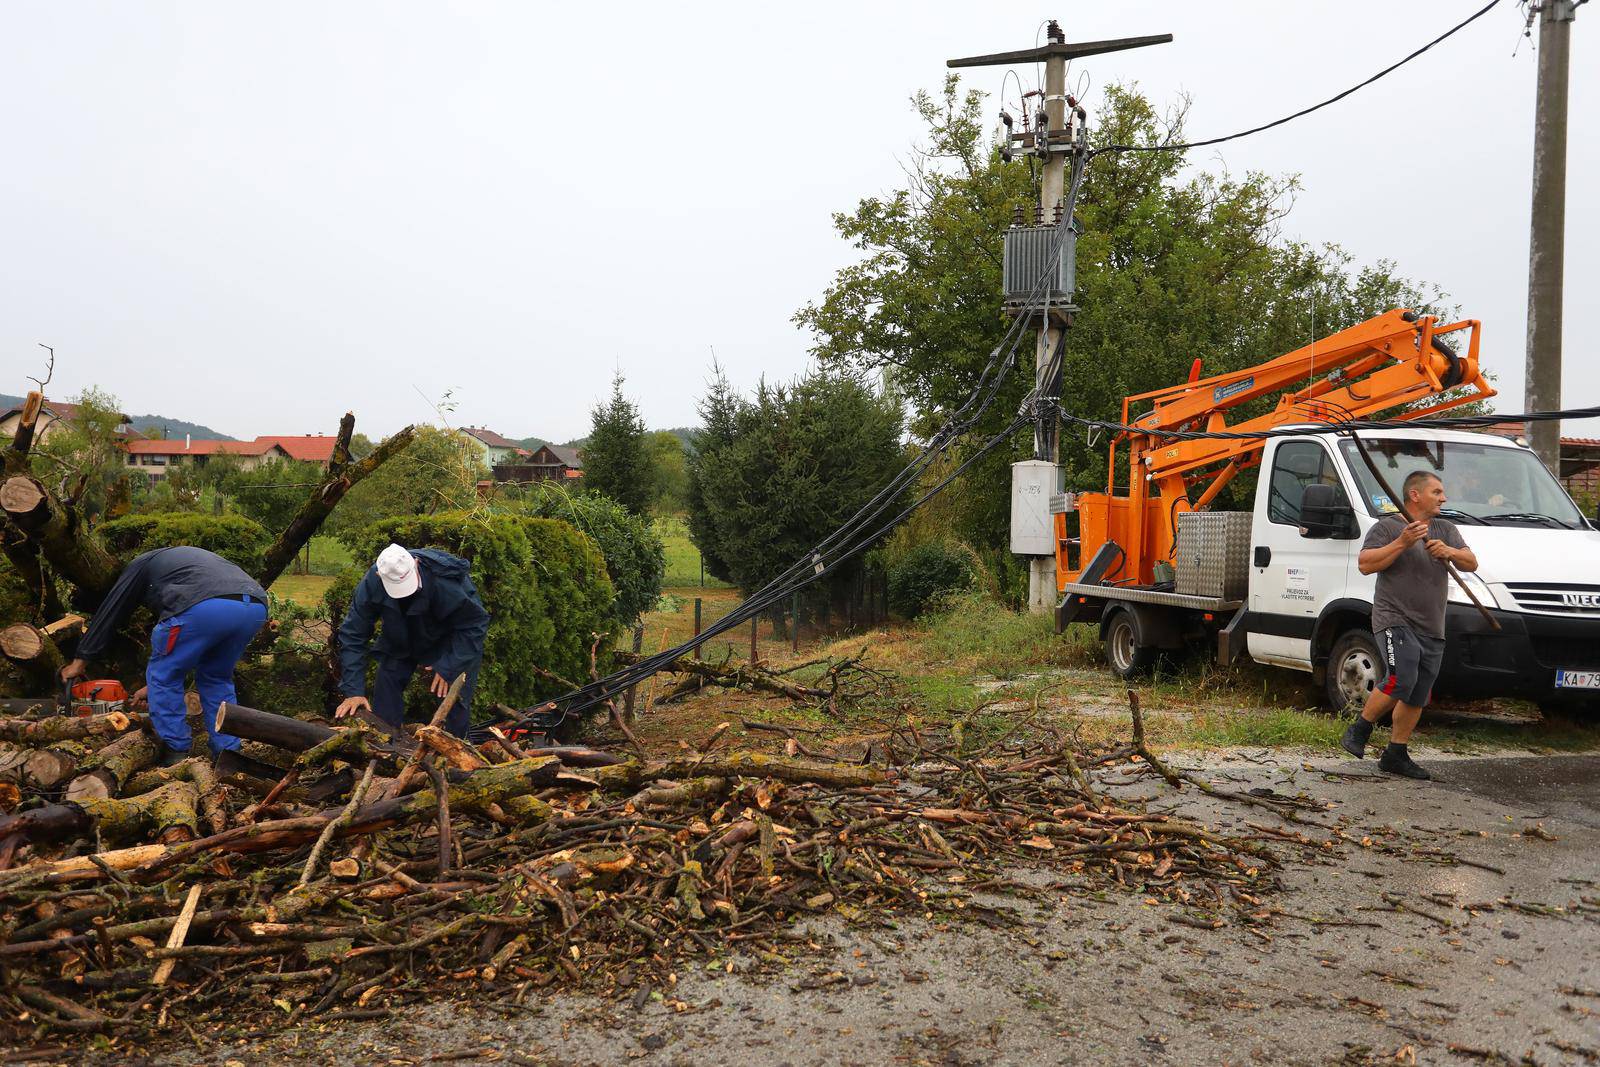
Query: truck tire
1126	650
1355	667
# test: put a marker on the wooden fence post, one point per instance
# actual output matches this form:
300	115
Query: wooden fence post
627	698
697	625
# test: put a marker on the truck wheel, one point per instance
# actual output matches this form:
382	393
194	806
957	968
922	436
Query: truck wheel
1355	667
1126	651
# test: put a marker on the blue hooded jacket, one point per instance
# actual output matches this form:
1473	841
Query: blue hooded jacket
441	625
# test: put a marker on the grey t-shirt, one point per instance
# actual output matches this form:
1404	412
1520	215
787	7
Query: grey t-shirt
1412	591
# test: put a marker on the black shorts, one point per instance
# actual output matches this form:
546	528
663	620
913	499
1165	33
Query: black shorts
1412	661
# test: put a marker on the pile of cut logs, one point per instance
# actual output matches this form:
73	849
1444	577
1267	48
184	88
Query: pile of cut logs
341	871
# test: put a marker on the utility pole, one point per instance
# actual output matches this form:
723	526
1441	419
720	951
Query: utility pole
1547	231
1053	139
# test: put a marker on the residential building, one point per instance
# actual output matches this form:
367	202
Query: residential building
53	413
491	446
154	458
1580	461
545	463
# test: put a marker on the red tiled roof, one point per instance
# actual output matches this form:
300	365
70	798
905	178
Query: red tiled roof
317	448
1516	429
489	437
59	408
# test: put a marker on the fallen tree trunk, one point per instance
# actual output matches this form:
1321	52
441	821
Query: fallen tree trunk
633	774
105	772
342	476
23	555
73	551
167	813
279	731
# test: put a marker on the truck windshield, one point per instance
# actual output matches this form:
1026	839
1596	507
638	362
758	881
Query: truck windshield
1498	485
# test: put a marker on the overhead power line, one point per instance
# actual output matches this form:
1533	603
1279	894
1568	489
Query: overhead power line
1186	145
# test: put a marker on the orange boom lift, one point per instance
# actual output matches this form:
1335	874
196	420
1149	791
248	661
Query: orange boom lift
1394	361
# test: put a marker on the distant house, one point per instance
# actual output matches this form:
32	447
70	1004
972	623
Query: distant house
52	414
493	448
547	463
154	458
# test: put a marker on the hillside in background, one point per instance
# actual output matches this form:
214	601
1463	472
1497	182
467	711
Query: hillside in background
149	425
682	433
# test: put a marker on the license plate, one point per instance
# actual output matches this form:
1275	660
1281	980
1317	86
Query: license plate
1578	679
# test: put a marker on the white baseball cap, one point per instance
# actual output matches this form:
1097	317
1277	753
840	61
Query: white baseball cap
398	570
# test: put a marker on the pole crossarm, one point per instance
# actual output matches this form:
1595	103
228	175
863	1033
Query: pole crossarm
1061	50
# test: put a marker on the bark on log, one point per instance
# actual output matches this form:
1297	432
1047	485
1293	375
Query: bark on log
342	476
74	552
212	794
106	771
741	764
27	421
23	556
66	728
34	653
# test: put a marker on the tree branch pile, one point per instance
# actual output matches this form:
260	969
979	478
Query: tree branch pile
380	870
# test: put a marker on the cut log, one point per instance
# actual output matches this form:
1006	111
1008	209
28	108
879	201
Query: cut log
105	772
279	731
75	553
744	764
27	422
23	556
34	652
456	752
342	476
212	801
39	769
66	728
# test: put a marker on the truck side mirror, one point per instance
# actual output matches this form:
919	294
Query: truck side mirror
1323	514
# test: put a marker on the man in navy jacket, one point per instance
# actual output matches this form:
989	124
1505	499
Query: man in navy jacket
207	610
431	618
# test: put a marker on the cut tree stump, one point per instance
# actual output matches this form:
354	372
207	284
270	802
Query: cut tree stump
73	551
106	771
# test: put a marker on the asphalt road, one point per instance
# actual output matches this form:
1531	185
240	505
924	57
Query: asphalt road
1537	787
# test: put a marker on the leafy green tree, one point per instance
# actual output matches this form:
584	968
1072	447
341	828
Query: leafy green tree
436	472
1172	264
669	468
616	460
271	493
82	457
776	473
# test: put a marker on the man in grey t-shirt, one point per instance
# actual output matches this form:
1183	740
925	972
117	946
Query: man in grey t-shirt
1410	561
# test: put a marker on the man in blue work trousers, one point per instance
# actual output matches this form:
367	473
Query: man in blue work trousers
431	618
207	610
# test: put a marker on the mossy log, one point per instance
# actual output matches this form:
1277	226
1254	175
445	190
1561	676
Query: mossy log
212	802
168	813
40	769
103	774
74	552
67	728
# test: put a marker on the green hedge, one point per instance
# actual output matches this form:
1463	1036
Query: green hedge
634	557
927	576
543	582
233	537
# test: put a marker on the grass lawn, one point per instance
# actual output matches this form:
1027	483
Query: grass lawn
683	559
304	589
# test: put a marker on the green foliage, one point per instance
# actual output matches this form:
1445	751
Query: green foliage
633	553
616	459
543	582
84	452
271	493
669	470
233	537
437	471
775	474
1173	263
928	575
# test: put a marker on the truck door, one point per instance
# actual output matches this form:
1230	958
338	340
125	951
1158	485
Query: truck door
1292	576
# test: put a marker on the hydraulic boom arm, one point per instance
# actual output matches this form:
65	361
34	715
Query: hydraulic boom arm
1393	364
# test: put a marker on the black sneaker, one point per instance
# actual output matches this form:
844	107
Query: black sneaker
1401	763
1356	737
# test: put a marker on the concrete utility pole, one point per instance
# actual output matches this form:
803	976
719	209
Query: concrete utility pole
1547	232
1052	140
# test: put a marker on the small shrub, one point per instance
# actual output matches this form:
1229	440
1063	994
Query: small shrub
543	583
928	575
233	537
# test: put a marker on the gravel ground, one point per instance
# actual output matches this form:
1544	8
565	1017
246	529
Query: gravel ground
1393	948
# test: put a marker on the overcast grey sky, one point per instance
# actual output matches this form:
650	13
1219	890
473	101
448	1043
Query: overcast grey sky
257	216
